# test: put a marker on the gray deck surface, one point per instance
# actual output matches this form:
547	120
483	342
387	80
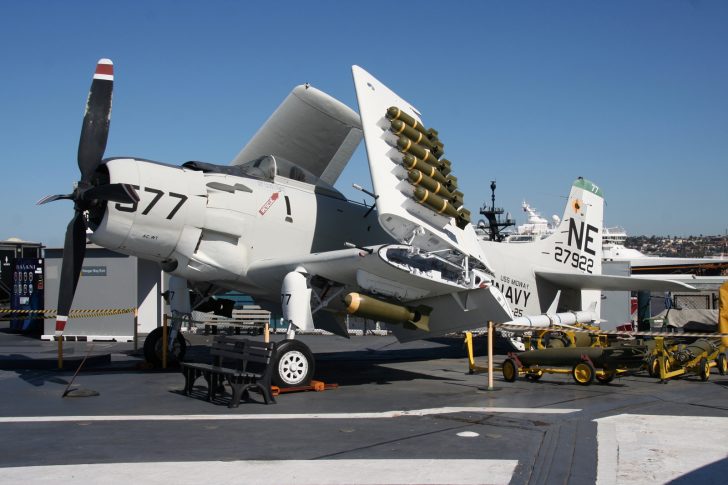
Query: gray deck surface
142	427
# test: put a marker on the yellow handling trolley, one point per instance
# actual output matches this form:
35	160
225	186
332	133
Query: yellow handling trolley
585	364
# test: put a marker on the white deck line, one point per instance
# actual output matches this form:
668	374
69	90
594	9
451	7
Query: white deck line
300	472
649	449
249	417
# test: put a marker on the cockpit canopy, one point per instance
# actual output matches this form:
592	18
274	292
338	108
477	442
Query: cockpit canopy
269	169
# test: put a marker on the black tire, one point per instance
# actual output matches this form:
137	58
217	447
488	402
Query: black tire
510	370
534	376
606	377
722	364
583	373
293	364
653	366
704	368
666	367
153	348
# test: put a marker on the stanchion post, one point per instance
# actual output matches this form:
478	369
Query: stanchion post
60	351
266	332
136	329
164	341
471	356
490	355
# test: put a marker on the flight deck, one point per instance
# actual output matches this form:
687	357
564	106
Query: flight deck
402	413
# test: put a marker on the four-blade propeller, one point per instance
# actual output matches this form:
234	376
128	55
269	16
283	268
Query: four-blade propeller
91	190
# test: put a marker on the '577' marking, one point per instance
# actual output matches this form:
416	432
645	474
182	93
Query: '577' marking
158	194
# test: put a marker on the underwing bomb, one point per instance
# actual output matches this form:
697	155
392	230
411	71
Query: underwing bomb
400	128
464	214
418	178
438	148
411	162
434	202
451	181
369	307
396	114
457	198
408	146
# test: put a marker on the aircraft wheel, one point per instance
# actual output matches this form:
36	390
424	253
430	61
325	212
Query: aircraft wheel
510	371
722	364
605	378
666	366
653	366
293	363
583	373
704	367
534	376
153	348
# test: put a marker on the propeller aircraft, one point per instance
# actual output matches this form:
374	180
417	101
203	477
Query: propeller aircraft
271	224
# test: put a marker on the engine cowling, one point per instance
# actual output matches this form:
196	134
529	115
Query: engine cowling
181	220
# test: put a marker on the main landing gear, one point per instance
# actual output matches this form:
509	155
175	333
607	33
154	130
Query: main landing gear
153	348
293	365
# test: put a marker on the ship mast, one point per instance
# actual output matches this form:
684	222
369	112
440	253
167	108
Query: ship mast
496	224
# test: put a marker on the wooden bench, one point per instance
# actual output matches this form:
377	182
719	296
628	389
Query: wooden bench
245	364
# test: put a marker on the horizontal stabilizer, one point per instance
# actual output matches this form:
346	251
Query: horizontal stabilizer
578	281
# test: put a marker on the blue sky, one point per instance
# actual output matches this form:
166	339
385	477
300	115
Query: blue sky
630	94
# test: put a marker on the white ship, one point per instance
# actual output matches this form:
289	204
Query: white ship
613	249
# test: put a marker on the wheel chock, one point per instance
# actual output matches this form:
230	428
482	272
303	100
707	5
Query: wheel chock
317	386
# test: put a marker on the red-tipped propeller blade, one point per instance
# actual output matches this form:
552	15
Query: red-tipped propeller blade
74	250
95	127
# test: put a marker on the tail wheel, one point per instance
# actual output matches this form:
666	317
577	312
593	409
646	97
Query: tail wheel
704	367
294	364
722	364
606	377
583	373
510	371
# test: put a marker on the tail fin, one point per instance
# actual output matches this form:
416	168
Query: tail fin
576	246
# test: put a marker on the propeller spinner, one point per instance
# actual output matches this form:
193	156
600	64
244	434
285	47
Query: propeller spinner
90	191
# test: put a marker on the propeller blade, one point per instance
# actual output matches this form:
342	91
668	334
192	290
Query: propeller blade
74	250
96	119
123	193
52	198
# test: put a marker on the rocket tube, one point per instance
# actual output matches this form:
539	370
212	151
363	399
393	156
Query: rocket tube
396	114
400	128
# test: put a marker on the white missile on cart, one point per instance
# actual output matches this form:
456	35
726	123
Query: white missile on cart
554	319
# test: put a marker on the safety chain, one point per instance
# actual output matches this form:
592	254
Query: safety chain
49	314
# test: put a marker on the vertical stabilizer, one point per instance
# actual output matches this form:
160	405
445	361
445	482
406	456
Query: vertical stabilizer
577	243
575	247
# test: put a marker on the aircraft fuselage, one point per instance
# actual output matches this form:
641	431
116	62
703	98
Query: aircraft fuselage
211	226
